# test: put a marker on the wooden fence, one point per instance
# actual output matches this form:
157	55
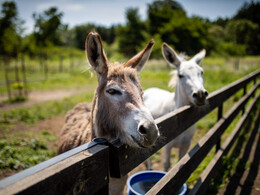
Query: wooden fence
86	169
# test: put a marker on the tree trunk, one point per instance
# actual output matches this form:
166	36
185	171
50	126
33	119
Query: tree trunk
24	77
71	63
236	63
17	79
61	65
45	67
7	82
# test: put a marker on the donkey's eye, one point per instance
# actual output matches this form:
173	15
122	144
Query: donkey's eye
180	76
113	92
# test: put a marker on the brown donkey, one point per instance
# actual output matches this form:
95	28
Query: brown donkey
117	111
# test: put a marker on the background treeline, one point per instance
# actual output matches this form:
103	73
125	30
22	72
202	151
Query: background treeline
166	21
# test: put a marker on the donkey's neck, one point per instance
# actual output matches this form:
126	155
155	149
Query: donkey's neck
100	125
93	118
180	97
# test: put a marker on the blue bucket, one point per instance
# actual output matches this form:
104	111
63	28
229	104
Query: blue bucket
141	182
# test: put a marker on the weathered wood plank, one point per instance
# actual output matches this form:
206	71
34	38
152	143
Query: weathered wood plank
77	174
182	170
204	181
220	114
171	125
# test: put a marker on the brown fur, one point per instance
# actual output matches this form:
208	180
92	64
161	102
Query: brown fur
117	102
76	130
78	127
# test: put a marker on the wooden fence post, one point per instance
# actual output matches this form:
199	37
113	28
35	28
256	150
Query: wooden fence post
236	63
71	62
17	78
24	76
7	83
61	65
220	114
45	67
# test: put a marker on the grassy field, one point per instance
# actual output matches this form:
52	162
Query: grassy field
22	149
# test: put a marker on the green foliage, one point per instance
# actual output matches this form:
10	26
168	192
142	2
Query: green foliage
16	99
9	24
249	11
221	22
131	36
47	26
80	33
20	154
186	34
157	48
244	32
217	32
229	49
160	13
17	85
166	21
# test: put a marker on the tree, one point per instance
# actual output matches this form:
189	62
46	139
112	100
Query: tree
160	13
244	32
47	27
9	38
221	22
108	34
132	35
249	11
186	34
81	34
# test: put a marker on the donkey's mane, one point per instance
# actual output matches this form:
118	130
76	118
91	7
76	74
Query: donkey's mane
172	83
183	56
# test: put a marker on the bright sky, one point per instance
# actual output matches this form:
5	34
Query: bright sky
107	12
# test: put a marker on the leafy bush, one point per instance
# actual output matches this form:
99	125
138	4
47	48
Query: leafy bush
21	154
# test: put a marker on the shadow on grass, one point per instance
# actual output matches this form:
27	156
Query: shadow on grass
247	185
234	160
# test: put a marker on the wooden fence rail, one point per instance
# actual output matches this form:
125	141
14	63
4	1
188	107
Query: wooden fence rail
183	169
85	170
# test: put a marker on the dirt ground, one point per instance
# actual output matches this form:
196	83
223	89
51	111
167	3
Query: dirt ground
38	97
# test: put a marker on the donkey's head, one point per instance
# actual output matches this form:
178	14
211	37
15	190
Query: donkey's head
118	108
190	74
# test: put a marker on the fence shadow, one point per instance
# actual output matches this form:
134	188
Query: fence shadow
227	162
234	181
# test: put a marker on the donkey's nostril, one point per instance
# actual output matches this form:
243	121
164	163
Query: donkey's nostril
195	95
206	93
142	130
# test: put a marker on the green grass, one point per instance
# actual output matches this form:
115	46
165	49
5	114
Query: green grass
218	72
20	152
234	161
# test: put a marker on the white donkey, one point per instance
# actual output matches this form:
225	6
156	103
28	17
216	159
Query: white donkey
189	89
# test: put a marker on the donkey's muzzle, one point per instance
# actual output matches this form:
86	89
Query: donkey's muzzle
200	97
148	131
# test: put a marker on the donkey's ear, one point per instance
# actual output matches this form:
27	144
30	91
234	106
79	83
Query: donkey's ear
170	55
95	53
139	60
199	56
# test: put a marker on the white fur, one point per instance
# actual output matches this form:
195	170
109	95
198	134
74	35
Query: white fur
161	102
131	123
